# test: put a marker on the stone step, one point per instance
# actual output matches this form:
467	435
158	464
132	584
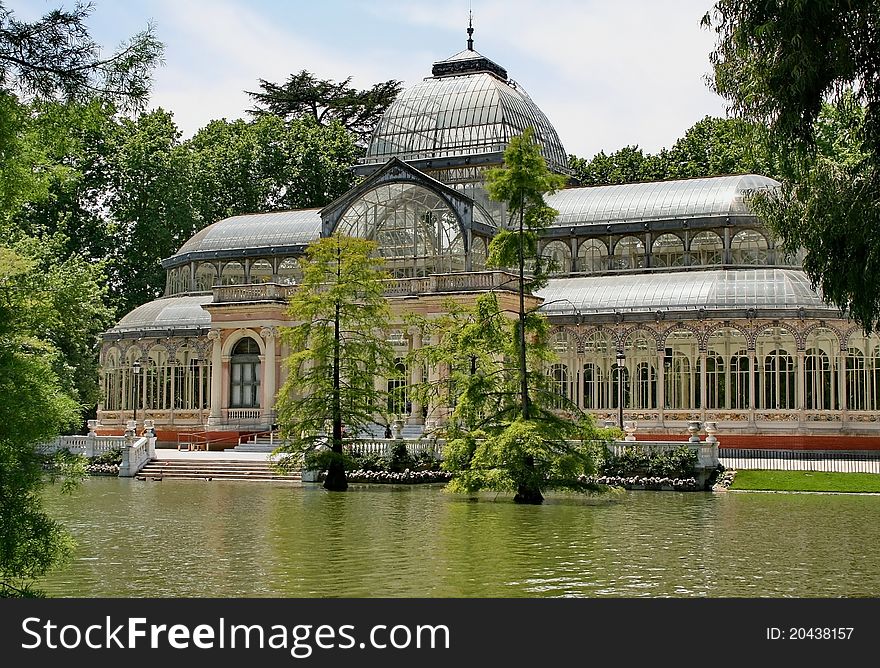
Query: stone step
213	469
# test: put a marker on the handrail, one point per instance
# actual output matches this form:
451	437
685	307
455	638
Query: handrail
256	435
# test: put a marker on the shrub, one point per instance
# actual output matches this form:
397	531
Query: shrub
635	461
113	456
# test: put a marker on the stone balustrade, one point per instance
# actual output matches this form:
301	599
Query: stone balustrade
395	287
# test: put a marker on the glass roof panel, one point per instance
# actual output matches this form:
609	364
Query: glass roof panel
685	290
259	230
716	196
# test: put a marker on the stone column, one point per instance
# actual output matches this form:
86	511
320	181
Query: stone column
436	413
841	383
268	381
415	416
215	415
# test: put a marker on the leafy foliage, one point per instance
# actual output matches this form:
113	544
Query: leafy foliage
337	351
325	101
489	444
811	73
56	56
677	463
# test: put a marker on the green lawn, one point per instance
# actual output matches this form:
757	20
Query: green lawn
807	481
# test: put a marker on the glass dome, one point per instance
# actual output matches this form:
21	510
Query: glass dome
467	110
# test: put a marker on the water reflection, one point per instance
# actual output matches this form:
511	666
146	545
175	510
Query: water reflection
200	538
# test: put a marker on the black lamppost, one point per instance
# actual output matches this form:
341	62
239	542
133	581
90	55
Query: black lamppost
135	378
620	358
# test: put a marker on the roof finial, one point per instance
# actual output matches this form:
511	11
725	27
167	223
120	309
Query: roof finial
470	30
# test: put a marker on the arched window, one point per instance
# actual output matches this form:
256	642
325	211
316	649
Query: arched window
592	256
715	397
233	274
856	380
667	251
619	394
206	277
707	248
417	232
289	272
244	374
818	380
748	247
779	380
559	384
680	381
558	256
595	387
261	272
739	380
629	253
646	386
398	390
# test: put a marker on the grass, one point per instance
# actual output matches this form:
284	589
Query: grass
807	481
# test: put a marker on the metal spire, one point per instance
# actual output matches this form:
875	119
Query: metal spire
470	30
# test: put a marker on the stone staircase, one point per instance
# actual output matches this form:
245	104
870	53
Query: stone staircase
217	469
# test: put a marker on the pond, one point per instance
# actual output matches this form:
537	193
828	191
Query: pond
229	539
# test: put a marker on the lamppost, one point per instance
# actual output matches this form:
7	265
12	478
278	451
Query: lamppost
135	378
620	358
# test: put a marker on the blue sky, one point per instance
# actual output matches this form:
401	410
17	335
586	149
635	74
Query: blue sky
607	74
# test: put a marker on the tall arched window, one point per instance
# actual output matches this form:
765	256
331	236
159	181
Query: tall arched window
559	384
715	396
739	380
592	256
620	395
856	380
244	374
818	380
398	391
595	387
478	254
289	272
779	380
680	381
646	386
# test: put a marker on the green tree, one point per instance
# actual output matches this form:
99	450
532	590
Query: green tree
325	101
56	56
521	185
779	64
490	445
268	165
36	405
337	352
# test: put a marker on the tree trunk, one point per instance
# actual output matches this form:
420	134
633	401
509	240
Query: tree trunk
336	480
521	330
528	491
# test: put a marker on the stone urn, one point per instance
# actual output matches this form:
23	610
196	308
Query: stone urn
694	431
93	426
711	429
629	426
397	429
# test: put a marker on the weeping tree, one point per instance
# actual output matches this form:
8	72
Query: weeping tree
338	349
491	445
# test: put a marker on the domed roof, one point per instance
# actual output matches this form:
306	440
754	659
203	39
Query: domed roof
240	236
689	198
167	314
467	108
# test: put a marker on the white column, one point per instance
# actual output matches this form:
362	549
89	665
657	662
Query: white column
269	385
752	390
216	377
800	390
704	394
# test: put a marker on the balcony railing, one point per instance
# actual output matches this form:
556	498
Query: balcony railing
396	287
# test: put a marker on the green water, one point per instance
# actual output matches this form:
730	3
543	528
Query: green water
228	539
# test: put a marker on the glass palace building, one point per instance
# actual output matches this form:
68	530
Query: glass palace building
670	296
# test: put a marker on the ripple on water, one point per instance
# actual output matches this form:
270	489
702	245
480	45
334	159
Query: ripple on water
192	538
